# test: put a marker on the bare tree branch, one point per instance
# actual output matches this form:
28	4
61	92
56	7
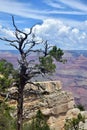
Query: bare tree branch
28	50
17	28
7	40
26	34
14	46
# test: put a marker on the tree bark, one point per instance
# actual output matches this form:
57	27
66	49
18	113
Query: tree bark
20	109
21	86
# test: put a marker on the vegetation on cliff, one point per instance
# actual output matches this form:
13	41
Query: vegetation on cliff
37	123
74	123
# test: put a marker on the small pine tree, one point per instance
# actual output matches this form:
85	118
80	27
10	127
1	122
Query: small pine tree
6	121
6	72
39	123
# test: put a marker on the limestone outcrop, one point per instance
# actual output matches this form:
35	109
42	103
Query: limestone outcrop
54	105
57	105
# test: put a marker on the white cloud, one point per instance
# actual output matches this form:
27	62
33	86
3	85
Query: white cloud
66	12
54	4
62	35
58	33
69	34
21	9
75	31
78	7
64	29
75	4
29	10
67	7
6	32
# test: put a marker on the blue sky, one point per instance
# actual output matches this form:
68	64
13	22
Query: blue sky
61	22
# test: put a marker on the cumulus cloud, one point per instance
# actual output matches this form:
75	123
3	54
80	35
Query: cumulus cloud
62	35
58	33
6	32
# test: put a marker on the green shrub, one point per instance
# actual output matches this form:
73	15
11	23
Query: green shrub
38	123
73	124
6	121
80	107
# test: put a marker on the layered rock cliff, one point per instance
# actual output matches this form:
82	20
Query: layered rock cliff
56	105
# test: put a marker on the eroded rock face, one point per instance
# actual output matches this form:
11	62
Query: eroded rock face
54	106
57	105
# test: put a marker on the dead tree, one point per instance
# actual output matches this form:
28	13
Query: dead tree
27	71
